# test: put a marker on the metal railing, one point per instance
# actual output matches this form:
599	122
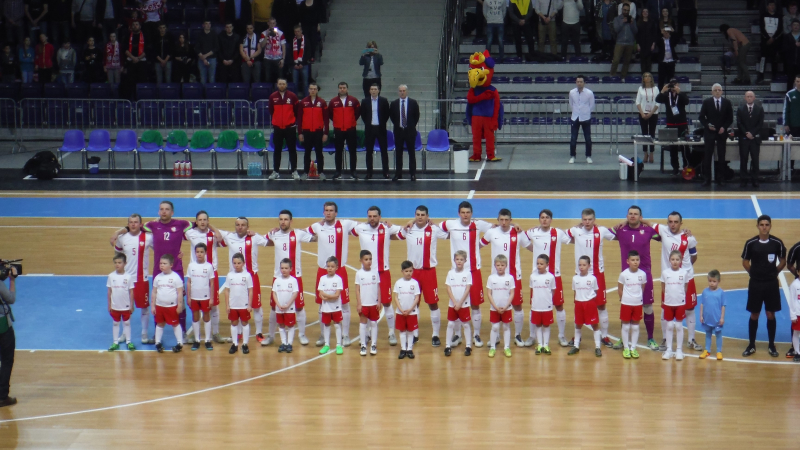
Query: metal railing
192	115
9	128
448	48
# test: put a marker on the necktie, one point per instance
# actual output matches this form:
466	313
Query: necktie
403	113
750	109
717	104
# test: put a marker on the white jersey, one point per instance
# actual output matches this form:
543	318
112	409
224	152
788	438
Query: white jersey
501	287
283	288
165	289
201	275
329	285
407	292
794	299
247	246
459	283
421	245
675	286
585	287
670	242
137	253
590	243
332	240
548	243
287	245
466	237
195	236
542	286
632	286
367	282
507	243
376	240
121	286
237	284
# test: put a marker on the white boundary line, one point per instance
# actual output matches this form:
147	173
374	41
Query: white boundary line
200	194
755	205
471	194
480	171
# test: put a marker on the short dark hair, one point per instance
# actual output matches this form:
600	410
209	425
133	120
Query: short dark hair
581	77
585	258
364	253
374	208
714	273
286	261
406	265
313	84
633	253
167	202
375	85
298	27
201	245
168	257
544	257
505	212
676	213
636	208
120	256
422	208
588	212
467	205
335	206
546	211
138	216
279	79
724	29
332	259
343	83
764	217
244	218
287	212
200	212
238	256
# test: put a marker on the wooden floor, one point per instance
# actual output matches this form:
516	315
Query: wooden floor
303	400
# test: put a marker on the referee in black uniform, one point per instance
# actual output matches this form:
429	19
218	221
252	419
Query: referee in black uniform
763	257
793	264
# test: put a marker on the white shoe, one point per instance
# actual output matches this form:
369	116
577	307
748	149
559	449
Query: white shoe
189	338
392	339
320	341
303	339
295	175
588	160
275	175
667	355
455	342
146	341
267	341
346	341
572	160
373	350
518	341
322	177
476	341
363	351
530	341
562	341
679	356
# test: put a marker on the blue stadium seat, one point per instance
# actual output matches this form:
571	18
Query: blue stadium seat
146	91
174	114
9	90
262	114
610	79
216	91
31	114
169	91
293	87
565	80
125	115
512	60
196	114
242	114
77	90
501	80
689	59
479	41
780	79
79	112
464	60
522	80
192	91
578	60
212	14
239	91
104	113
592	79
194	31
54	90
520	121
174	14
683	79
177	29
545	80
261	91
31	90
101	91
74	141
633	79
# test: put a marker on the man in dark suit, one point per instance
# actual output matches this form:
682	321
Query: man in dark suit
716	115
375	114
405	114
666	56
749	122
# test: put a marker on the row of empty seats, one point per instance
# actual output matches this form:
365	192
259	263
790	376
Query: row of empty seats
635	79
574	60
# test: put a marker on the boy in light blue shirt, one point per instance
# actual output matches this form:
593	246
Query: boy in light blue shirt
712	313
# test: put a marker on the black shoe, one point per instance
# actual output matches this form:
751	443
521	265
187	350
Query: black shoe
281	348
675	172
790	354
467	351
571	343
413	178
336	176
386	176
435	341
288	348
721	182
245	349
8	401
773	352
416	339
395	178
448	351
196	346
402	354
233	349
159	348
410	354
177	348
368	177
209	346
795	359
748	351
354	176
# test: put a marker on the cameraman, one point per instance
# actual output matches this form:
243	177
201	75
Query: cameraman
675	104
7	339
372	62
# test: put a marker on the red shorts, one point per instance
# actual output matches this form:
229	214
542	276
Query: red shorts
542	318
287	319
167	314
558	293
691	295
141	294
384	287
200	305
586	313
674	312
406	323
427	284
796	325
237	314
517	300
371	312
496	317
215	292
256	291
120	315
299	302
335	316
476	290
342	272
600	299
628	313
462	314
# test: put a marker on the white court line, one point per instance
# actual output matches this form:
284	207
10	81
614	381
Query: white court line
225	179
200	194
755	205
57	226
471	194
480	171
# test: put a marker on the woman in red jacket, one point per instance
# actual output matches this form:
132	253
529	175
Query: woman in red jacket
43	60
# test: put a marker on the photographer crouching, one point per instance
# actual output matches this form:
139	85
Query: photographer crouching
7	338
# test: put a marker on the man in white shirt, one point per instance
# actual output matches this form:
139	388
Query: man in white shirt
581	101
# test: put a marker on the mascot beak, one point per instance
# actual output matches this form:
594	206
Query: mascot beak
477	77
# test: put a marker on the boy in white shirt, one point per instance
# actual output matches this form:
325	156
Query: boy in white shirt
542	284
794	307
500	290
630	286
120	300
585	287
238	294
673	298
368	282
285	290
167	302
459	283
330	294
406	300
199	291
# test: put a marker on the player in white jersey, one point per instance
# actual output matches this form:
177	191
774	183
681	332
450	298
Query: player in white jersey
287	242
630	287
421	237
406	299
199	291
367	302
542	284
284	295
673	301
136	245
167	302
204	233
238	292
506	241
332	240
465	235
329	290
547	240
500	288
584	285
120	301
588	239
459	281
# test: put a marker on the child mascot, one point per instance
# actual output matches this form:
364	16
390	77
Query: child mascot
484	110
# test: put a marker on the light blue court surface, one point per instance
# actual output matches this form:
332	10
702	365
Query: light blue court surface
69	313
395	207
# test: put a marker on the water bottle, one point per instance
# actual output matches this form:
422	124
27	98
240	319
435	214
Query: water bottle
258	169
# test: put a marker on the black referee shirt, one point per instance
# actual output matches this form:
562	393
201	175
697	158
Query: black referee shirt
794	256
764	257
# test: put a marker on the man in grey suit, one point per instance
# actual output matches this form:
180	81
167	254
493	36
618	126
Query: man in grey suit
749	121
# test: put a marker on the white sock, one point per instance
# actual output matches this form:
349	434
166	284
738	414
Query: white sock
189	322
691	324
795	341
373	325
663	326
178	334
362	332
634	335
326	334
245	333
538	332
436	321
145	320
603	314
345	325
301	322
235	334
115	328
679	335
561	318
546	336
410	340
388	313
290	335
321	325
403	340
626	339
532	327
239	329
272	323
519	317
196	330
493	334
670	330
448	337
338	328
476	321
126	330
597	339
282	331
215	320
159	333
208	327
577	336
258	318
467	333
506	335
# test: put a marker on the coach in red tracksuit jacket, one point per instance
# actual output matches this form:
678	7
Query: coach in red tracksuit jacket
312	119
344	110
282	104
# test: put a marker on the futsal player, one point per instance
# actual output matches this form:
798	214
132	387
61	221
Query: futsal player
284	295
458	284
205	234
406	298
500	288
543	285
167	301
329	292
367	301
793	264
239	294
120	301
794	306
673	295
585	287
631	285
135	244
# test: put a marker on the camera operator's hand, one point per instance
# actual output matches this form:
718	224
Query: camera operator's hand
677	89
665	88
13	272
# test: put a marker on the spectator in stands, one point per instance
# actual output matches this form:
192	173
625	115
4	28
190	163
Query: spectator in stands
135	66
571	27
311	15
285	14
67	59
547	11
495	13
625	29
83	19
687	15
60	15
666	56
93	63
520	13
741	46
605	12
480	19
791	109
675	103
665	20
36	15
8	64
162	50
791	14
372	62
375	115
112	64
43	61
207	48
262	12
239	13
152	10
182	56
631	5
771	25
249	50
13	15
646	36
228	70
110	16
648	109
135	16
273	44
581	101
716	115
301	66
749	123
790	53
26	57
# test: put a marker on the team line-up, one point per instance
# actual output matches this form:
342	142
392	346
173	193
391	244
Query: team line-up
128	287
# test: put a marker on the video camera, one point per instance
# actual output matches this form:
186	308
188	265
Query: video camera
6	265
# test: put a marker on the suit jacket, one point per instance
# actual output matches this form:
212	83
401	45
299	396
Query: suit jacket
721	118
383	111
750	122
661	49
412	113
